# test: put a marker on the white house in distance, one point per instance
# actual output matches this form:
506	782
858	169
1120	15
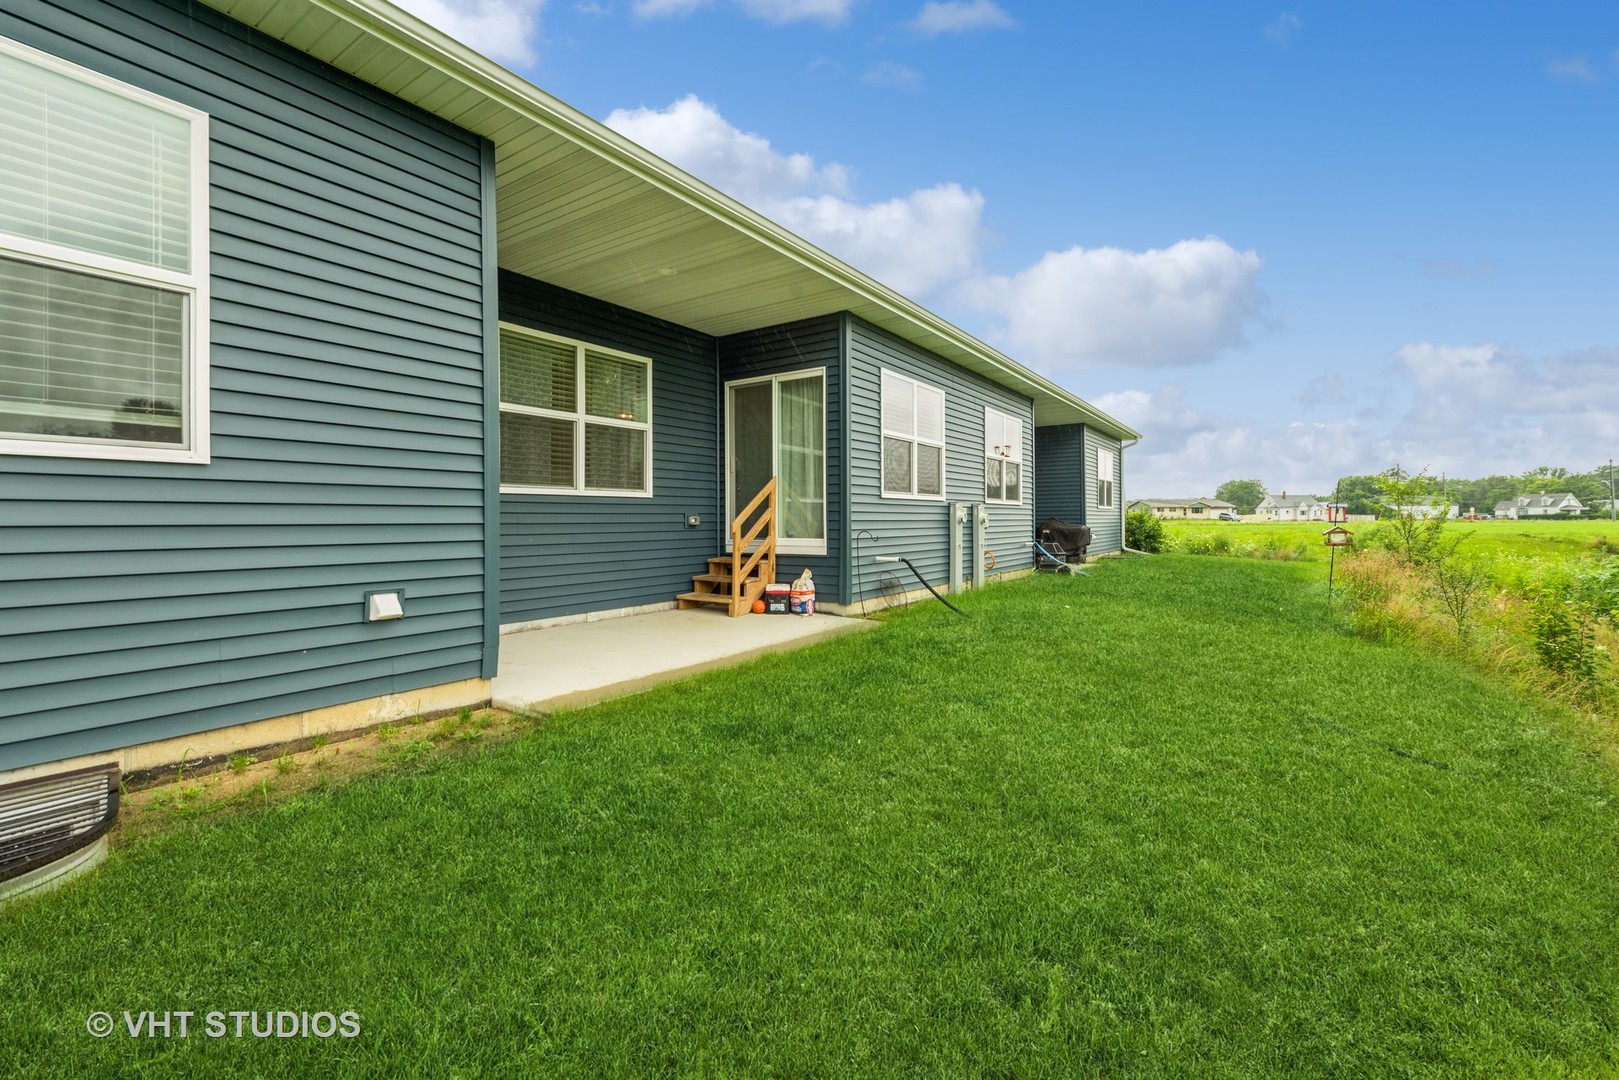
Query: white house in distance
1285	507
1553	505
1185	508
1429	508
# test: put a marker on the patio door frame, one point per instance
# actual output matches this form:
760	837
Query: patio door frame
784	545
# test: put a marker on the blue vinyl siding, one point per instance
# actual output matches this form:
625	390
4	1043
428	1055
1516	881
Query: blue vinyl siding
144	601
1067	482
567	554
1107	525
1059	462
918	529
812	343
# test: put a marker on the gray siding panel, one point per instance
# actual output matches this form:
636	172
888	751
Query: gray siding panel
919	530
1107	524
1059	463
566	554
777	350
1067	482
145	601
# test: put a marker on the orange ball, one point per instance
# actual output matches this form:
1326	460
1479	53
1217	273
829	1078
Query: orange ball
758	607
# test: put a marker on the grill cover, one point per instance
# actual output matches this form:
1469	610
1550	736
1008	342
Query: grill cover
1073	539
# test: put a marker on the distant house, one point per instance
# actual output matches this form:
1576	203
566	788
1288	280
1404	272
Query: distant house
1285	507
1185	508
1527	506
1427	508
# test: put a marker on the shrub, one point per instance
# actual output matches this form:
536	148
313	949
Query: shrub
1144	532
1598	589
1563	637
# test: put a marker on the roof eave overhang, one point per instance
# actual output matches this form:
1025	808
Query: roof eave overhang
723	242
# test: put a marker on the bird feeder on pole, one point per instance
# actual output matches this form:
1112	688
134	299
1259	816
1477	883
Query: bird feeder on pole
1335	537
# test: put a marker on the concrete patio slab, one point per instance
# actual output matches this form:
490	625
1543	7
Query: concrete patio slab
581	663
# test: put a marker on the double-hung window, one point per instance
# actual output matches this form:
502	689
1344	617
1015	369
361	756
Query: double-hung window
103	266
913	438
1003	457
574	418
1106	471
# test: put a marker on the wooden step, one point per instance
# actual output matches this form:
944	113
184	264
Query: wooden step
697	599
700	597
721	564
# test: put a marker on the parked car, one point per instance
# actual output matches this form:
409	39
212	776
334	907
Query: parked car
1226	515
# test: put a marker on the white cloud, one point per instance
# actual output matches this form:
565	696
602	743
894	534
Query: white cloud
889	73
1089	307
1461	410
1462	387
659	9
1185	451
1284	29
503	30
1573	69
912	243
692	134
1482	409
1325	389
831	12
960	16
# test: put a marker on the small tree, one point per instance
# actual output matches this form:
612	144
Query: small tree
1245	495
1415	519
1361	494
1457	582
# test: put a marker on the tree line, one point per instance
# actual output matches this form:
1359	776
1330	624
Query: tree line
1371	494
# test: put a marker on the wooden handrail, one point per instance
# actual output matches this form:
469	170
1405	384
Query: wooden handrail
766	551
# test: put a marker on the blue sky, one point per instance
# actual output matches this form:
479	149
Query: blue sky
1284	241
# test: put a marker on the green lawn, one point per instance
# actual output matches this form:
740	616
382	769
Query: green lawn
1162	821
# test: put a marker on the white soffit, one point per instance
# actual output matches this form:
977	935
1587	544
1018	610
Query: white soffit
629	228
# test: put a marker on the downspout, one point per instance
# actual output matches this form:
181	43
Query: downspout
490	664
1122	545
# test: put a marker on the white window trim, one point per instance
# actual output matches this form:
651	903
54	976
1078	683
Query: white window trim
944	452
1105	484
579	418
784	545
194	286
1000	417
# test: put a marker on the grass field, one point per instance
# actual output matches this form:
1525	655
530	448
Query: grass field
1162	821
1552	541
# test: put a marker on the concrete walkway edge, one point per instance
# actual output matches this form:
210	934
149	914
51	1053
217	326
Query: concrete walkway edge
584	663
